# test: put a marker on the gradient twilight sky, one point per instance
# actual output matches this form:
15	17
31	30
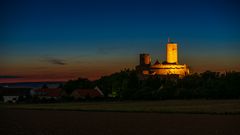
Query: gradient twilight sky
44	40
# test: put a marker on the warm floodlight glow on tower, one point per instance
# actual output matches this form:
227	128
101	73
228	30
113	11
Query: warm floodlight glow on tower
172	52
145	59
170	66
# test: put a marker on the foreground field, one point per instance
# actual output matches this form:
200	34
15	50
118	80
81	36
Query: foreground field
171	106
45	122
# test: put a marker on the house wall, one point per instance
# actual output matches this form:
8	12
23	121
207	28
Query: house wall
12	99
75	95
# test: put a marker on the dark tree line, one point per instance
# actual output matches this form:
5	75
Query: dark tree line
128	85
80	83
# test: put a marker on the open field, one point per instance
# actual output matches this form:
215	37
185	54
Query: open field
45	122
173	117
168	106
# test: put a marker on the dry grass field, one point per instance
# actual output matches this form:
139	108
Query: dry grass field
52	122
168	106
173	117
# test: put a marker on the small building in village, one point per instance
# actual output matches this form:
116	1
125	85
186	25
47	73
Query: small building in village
87	93
47	93
13	95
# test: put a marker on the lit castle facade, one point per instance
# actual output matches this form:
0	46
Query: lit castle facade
169	67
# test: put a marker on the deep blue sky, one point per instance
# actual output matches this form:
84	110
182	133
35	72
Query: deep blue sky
42	38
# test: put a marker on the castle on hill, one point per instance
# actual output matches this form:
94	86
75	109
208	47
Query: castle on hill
168	67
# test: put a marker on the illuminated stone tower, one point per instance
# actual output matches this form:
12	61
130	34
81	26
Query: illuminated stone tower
145	63
172	52
145	59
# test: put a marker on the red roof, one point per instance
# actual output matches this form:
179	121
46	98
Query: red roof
88	92
51	92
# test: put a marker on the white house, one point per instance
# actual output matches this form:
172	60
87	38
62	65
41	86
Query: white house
12	95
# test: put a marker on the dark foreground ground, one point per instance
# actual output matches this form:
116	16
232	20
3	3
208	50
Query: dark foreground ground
43	122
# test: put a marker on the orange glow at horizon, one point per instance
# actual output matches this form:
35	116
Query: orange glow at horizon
30	70
36	73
